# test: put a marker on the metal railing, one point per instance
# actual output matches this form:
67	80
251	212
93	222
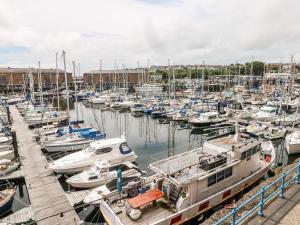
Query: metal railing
265	195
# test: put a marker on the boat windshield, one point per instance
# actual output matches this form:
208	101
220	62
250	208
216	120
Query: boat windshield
124	149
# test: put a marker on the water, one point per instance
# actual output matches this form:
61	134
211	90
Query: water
21	198
149	139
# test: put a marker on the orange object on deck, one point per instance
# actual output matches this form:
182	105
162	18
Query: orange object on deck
145	198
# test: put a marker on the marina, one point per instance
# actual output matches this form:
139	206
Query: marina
149	112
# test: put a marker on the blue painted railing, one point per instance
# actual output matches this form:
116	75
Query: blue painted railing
281	181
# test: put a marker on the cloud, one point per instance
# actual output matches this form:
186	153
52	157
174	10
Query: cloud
128	31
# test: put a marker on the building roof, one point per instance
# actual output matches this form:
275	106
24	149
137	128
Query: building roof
117	71
26	70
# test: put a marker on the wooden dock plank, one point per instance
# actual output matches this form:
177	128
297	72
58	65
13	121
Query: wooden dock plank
76	197
21	216
48	199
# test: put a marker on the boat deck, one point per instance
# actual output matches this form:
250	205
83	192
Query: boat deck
48	200
150	213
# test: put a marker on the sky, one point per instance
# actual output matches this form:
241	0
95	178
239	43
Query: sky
123	33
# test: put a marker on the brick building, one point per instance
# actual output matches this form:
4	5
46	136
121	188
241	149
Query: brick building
14	79
119	78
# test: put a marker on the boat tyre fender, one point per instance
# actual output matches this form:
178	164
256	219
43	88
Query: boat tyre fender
121	202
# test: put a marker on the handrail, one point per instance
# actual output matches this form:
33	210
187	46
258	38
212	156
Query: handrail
282	181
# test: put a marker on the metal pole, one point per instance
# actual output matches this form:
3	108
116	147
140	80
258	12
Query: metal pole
8	115
261	204
282	186
15	144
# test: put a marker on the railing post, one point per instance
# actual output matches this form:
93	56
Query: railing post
261	203
233	216
298	173
282	185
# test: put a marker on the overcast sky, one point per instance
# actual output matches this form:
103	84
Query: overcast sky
128	31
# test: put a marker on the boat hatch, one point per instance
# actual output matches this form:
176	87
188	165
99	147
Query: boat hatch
211	162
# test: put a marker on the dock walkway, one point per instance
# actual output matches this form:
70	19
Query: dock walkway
281	211
48	201
21	216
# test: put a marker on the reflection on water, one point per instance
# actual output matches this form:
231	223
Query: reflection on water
21	198
150	139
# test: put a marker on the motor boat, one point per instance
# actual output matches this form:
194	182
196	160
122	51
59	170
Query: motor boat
256	127
206	119
266	114
136	108
72	141
101	173
273	133
114	150
188	184
8	166
8	154
292	142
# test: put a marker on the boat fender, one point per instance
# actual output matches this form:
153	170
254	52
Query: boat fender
120	202
134	214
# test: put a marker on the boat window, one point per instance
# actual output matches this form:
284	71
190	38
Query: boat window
211	180
93	177
220	176
104	170
243	155
248	153
103	150
228	172
124	149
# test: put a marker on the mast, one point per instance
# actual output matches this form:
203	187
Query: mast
173	83
100	76
40	83
31	84
66	82
57	76
169	89
75	86
202	82
251	73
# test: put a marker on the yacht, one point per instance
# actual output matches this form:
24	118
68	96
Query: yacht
114	150
101	173
72	141
266	114
273	133
99	100
292	142
206	119
149	90
137	107
188	184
